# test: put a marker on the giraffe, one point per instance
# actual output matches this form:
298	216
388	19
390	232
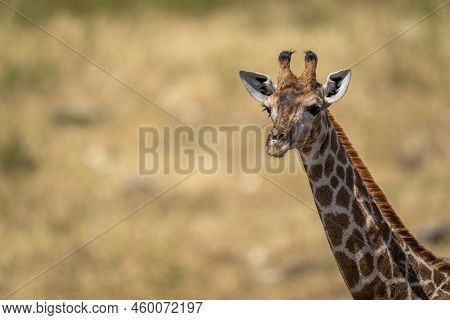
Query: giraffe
376	255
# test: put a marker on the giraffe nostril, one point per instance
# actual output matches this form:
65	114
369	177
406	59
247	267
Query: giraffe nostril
281	136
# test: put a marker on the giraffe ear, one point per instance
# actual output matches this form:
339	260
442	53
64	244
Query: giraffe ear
259	85
336	85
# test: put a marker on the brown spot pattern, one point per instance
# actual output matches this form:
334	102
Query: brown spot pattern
349	269
373	290
399	291
358	216
366	264
349	177
373	235
397	253
340	172
324	195
341	155
446	287
438	277
429	289
398	273
334	182
315	173
334	143
385	231
384	265
329	165
424	272
362	188
335	225
306	149
355	242
343	198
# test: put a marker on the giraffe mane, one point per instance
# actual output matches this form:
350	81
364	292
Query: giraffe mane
386	209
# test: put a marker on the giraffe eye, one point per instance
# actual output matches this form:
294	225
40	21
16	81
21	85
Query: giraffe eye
314	109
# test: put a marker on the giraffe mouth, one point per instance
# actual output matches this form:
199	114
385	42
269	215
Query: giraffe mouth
277	148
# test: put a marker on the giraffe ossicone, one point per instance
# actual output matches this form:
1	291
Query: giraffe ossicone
377	256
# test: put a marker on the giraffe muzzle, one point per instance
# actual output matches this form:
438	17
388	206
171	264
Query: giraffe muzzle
278	143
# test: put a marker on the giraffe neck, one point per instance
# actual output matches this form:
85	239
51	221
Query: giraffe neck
373	259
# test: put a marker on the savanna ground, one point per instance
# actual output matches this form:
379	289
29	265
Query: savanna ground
68	143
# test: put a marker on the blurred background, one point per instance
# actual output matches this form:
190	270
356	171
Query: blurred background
69	151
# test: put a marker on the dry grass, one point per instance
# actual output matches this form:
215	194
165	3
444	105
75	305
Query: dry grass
213	236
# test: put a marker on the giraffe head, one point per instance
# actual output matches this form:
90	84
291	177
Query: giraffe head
296	104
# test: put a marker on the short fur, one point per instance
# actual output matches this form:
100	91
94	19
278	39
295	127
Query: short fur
378	195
